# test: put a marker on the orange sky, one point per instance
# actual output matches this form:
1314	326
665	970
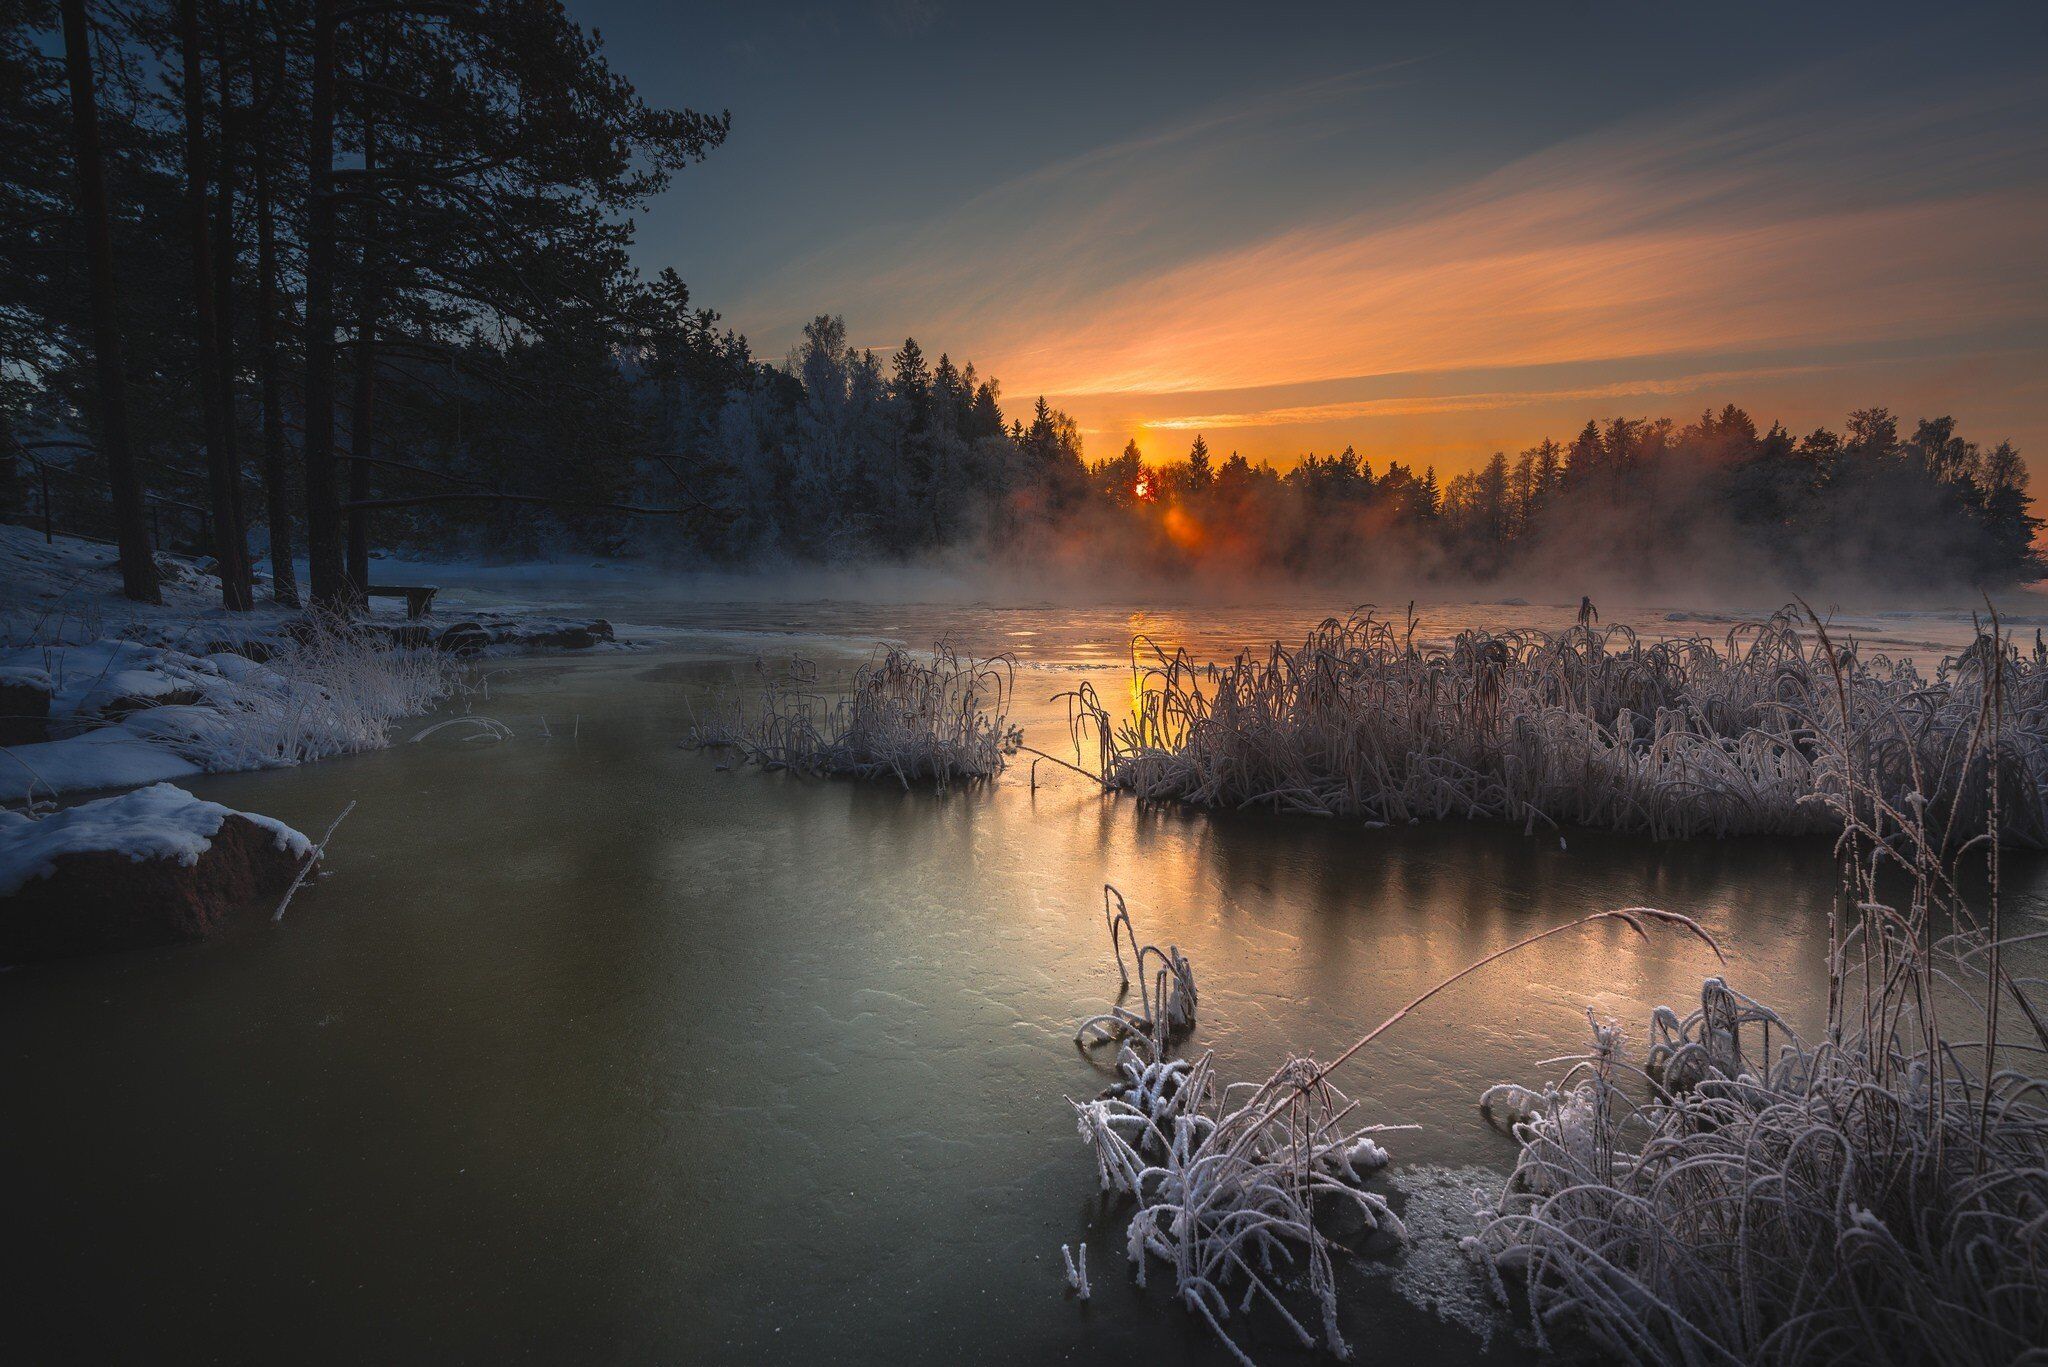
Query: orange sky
1591	280
1800	247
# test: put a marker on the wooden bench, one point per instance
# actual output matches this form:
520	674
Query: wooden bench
418	597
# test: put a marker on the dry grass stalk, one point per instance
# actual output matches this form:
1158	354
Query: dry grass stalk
1878	1193
328	685
1767	732
1235	1185
940	721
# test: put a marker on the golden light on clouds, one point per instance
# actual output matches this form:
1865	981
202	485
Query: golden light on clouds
1764	249
1468	291
1428	404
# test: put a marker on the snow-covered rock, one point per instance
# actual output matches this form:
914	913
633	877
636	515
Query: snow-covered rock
111	678
118	713
147	867
503	633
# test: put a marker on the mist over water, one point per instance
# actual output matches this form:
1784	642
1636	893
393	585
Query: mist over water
1056	610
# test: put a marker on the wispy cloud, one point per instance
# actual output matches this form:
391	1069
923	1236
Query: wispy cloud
1796	221
1721	233
1042	242
1495	401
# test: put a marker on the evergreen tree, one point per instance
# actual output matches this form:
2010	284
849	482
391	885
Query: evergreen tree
912	383
138	567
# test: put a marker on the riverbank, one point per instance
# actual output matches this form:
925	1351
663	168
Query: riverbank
99	694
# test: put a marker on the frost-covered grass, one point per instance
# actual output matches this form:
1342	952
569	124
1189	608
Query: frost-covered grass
124	713
1166	997
938	720
1236	1186
1226	1179
1878	1193
331	686
1590	726
1741	1194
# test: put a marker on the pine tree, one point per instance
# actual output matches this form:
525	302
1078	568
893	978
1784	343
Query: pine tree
138	567
952	396
2010	527
1586	458
912	383
223	472
987	417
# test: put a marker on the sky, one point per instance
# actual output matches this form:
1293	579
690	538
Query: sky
1427	231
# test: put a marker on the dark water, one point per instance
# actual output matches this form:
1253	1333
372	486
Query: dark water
588	1051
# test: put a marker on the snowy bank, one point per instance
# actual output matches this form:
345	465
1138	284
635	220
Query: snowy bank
147	867
120	713
97	692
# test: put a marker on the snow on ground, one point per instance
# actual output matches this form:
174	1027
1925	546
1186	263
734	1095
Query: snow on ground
140	693
122	713
113	757
69	590
157	822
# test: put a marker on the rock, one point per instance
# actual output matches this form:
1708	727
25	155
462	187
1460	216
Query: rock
25	706
524	633
562	638
146	868
127	705
464	638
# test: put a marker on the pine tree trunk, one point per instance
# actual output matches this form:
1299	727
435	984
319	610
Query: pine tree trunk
284	586
224	262
361	434
131	522
323	508
362	416
230	545
11	498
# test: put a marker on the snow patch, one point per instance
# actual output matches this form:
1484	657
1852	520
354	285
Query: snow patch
112	757
1434	1272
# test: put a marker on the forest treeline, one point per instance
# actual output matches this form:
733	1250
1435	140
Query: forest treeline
1628	499
317	266
311	278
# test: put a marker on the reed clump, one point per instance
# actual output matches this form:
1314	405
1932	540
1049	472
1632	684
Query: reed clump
1237	1187
1228	1180
329	685
1592	726
938	720
1876	1193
